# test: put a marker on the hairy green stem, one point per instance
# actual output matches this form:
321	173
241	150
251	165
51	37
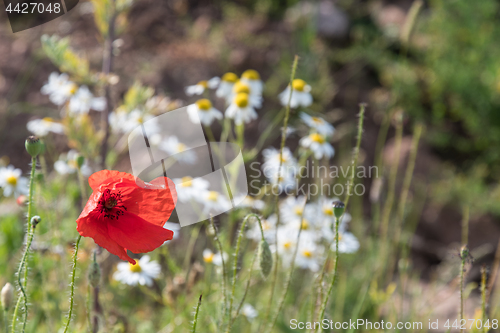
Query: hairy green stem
195	321
276	203
289	277
462	273
483	293
29	236
224	272
327	296
72	284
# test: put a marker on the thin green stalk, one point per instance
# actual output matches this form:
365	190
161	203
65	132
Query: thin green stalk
235	269
240	135
354	162
195	321
195	233
276	203
224	272
483	293
29	236
462	273
72	284
246	287
327	296
404	193
386	213
5	313
87	305
465	224
289	277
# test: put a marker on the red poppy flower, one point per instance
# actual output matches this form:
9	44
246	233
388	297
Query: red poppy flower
122	215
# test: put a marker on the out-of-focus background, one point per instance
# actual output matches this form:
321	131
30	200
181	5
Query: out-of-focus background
444	73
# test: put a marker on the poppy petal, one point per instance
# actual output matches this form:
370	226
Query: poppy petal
100	177
90	226
136	234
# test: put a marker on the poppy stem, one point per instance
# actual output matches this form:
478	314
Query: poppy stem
246	287
289	277
235	268
224	272
30	232
72	284
195	321
334	278
282	147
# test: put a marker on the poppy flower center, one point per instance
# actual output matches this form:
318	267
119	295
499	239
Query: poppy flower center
110	205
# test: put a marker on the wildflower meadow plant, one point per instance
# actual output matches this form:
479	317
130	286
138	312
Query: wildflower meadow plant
277	254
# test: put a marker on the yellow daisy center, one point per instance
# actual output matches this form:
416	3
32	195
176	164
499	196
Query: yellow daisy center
251	74
298	211
328	211
307	253
287	245
73	89
241	100
298	84
186	181
305	225
12	180
230	77
240	87
317	138
204	84
204	104
212	196
135	268
181	147
208	258
48	119
317	120
266	225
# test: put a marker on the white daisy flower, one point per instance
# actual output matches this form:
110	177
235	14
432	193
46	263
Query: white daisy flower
348	243
241	110
143	272
268	226
289	168
249	311
252	78
203	111
318	145
226	85
213	258
12	182
301	95
172	146
214	201
67	164
318	124
199	88
255	99
122	121
83	100
295	216
189	188
42	127
249	202
59	88
309	254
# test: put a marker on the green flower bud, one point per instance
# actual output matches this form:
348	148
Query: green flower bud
35	220
80	160
7	296
338	209
33	146
265	258
464	252
94	274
